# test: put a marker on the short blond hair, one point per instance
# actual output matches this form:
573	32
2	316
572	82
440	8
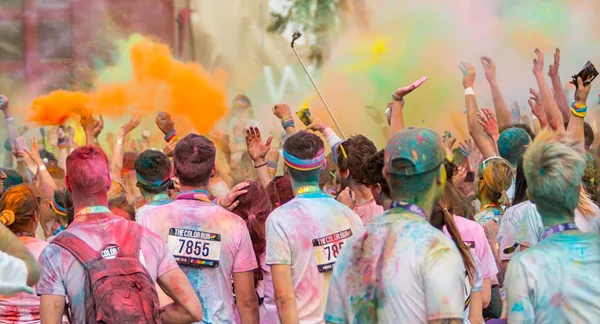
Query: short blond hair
553	167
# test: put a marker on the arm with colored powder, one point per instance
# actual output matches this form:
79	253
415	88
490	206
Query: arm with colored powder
576	123
283	112
481	139
487	120
559	93
186	307
537	108
502	111
12	131
555	117
258	150
245	297
285	297
116	163
397	105
332	138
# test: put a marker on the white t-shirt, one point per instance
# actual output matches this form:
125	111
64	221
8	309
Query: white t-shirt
400	268
555	281
308	233
209	243
509	226
532	228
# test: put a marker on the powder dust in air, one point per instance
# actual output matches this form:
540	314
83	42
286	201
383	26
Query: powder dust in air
195	98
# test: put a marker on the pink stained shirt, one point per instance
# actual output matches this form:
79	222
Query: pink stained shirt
235	251
474	237
368	210
61	274
24	307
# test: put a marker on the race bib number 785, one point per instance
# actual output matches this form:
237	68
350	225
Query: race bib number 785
327	249
194	248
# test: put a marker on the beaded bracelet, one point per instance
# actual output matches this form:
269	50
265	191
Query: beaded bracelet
287	122
579	110
62	143
272	167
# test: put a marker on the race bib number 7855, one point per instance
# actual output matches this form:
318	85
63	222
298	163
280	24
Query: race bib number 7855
194	248
327	249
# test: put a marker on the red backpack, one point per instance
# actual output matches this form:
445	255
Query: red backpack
117	290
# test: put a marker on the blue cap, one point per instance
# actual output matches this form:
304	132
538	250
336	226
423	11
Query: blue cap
414	151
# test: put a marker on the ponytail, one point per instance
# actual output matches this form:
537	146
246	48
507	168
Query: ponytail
462	248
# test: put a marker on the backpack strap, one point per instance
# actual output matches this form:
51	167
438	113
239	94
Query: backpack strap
133	242
77	247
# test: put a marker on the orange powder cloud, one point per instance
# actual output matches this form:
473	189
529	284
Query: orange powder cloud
194	97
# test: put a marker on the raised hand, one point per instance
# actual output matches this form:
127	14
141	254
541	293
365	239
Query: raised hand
87	123
165	123
448	139
257	150
230	201
553	69
489	67
129	126
582	92
536	104
170	148
401	92
282	111
98	126
466	147
34	154
468	74
487	120
538	63
317	125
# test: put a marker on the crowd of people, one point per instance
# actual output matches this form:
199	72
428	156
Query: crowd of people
502	227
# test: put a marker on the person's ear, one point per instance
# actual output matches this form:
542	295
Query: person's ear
213	173
109	183
67	183
378	188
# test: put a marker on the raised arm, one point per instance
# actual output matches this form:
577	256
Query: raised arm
47	184
559	93
258	150
116	163
283	112
397	104
537	108
487	120
555	117
481	139
502	111
579	111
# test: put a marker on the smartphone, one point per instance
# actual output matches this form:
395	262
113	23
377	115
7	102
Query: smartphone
305	117
20	144
587	74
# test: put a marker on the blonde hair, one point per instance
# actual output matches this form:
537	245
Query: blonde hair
497	177
553	166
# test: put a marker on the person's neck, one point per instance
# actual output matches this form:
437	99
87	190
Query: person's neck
362	194
190	188
149	196
485	200
100	199
387	202
297	185
550	219
426	202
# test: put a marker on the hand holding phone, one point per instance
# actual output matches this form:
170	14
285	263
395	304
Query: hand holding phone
587	74
20	144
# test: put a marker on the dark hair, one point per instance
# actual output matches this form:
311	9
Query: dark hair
458	203
123	203
23	201
193	160
280	191
304	145
254	208
588	134
522	126
520	184
357	148
374	172
63	198
153	165
13	178
51	158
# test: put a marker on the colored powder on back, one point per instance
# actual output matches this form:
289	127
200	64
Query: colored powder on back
195	98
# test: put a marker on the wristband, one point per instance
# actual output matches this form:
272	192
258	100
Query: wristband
260	166
272	167
469	91
96	140
120	141
172	136
287	122
578	110
61	143
397	98
42	167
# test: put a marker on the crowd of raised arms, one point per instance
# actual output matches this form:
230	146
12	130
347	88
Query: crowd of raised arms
501	228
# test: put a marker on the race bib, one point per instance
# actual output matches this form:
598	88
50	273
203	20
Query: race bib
327	249
194	248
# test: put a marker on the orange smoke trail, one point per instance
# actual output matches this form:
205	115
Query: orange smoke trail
160	83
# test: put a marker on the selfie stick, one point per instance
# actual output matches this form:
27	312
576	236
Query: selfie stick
297	35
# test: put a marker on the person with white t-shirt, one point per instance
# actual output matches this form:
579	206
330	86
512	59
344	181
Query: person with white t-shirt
305	235
401	269
96	230
209	243
556	281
